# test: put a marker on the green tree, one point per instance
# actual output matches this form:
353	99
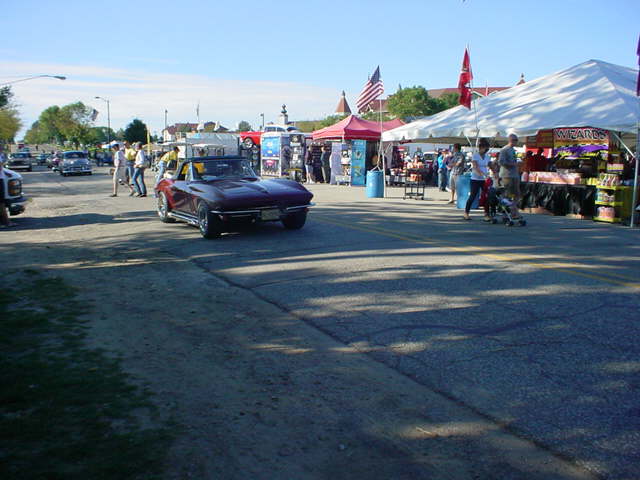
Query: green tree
101	135
412	102
74	123
244	126
448	100
9	123
35	134
136	131
5	96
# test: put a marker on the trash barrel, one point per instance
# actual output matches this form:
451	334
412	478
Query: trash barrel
463	189
375	184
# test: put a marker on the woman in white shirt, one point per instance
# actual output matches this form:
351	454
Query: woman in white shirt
479	173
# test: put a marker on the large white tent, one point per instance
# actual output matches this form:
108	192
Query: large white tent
594	93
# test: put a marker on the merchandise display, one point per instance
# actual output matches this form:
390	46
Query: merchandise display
613	200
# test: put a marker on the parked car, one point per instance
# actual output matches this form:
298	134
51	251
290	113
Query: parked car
20	161
74	162
216	194
104	158
15	200
42	159
249	139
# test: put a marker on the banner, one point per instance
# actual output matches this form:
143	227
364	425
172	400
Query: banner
358	166
577	141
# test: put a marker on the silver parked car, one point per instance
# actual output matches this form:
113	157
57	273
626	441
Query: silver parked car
20	161
74	162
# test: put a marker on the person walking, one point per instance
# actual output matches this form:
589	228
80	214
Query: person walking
479	173
130	158
308	165
139	165
165	160
509	174
119	171
326	163
442	171
456	165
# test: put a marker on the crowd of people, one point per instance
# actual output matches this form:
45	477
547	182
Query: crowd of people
501	171
129	165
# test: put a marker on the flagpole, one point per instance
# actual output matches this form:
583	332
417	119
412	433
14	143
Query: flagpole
473	102
381	154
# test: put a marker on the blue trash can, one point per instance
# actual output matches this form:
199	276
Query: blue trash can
375	184
463	189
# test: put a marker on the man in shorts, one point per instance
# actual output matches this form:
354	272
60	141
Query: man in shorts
510	174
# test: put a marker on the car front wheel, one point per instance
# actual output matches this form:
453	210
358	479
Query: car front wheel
163	209
208	223
295	221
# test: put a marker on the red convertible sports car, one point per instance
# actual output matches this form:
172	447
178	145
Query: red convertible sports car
217	193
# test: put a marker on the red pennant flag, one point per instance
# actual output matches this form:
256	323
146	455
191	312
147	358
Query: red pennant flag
465	79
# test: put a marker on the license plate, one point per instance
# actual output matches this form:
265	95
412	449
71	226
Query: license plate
273	214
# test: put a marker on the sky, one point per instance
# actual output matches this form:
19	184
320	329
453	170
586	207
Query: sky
237	60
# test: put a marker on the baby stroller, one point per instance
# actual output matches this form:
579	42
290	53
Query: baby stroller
500	206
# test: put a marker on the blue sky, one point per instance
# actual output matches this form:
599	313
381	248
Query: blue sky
242	59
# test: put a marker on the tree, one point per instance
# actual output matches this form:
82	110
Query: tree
9	124
74	123
100	135
136	131
35	135
412	102
244	126
448	100
5	96
9	121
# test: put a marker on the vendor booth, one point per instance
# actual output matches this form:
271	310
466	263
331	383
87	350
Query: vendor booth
360	141
584	119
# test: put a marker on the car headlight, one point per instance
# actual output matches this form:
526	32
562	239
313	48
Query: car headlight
15	187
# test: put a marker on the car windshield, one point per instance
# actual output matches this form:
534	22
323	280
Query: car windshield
73	155
222	168
20	155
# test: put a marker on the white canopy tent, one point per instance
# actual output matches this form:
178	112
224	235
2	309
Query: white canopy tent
592	94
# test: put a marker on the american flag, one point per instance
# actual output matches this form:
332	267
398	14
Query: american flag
372	90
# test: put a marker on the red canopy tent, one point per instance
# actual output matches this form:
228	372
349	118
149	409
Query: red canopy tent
355	128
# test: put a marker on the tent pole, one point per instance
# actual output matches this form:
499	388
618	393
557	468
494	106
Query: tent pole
381	153
635	180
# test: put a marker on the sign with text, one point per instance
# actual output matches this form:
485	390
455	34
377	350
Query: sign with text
358	166
580	140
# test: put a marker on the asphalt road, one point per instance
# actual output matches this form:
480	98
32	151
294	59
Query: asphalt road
533	328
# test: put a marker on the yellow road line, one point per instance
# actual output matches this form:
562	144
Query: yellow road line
569	268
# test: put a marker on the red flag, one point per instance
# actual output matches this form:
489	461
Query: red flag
465	79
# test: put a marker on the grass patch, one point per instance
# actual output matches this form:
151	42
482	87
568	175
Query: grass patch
67	411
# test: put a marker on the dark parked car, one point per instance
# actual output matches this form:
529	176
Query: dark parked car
20	161
218	193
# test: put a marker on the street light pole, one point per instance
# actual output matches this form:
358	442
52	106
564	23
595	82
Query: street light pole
108	121
59	77
262	117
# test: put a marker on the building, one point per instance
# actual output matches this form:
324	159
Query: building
343	106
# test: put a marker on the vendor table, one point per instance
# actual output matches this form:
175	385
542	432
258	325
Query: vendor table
559	199
415	183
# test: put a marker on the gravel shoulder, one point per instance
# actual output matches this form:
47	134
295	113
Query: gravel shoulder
258	392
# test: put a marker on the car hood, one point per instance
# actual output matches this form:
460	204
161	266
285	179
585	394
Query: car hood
237	194
11	174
